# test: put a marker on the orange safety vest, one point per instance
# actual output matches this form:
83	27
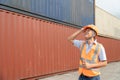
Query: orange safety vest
91	57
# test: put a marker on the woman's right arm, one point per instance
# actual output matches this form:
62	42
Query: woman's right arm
74	35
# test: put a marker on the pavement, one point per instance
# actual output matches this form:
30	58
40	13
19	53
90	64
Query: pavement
110	72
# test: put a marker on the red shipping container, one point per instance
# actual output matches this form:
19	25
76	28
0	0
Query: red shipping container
31	47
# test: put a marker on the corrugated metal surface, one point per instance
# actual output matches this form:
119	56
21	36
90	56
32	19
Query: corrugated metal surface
112	48
79	12
32	47
108	24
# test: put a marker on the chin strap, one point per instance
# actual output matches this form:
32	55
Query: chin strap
90	38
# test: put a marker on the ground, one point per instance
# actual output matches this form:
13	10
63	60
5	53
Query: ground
110	72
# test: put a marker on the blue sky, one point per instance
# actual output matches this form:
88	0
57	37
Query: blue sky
111	6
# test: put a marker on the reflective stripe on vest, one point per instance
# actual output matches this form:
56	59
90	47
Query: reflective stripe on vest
89	72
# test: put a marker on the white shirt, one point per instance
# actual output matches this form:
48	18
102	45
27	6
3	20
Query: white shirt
102	54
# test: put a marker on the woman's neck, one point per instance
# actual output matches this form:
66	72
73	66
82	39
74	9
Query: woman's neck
90	40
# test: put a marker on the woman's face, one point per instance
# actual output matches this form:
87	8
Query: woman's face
88	33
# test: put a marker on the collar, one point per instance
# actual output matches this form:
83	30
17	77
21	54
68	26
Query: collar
95	42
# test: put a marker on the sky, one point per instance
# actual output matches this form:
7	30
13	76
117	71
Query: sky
111	6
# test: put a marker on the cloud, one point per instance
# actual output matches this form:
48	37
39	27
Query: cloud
111	6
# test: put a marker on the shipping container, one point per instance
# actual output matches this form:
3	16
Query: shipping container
78	12
32	47
108	24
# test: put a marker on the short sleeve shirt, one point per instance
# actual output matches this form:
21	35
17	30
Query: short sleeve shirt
102	54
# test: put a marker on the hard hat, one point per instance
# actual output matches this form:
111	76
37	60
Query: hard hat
91	26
